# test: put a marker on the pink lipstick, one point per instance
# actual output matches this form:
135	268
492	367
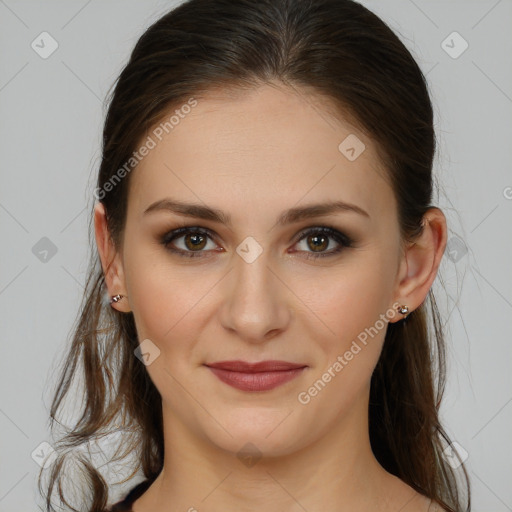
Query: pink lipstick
261	376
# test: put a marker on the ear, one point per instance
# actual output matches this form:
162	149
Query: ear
420	262
111	260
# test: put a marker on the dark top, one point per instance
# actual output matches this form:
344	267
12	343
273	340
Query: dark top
125	505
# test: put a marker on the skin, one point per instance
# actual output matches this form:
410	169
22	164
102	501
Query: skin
254	155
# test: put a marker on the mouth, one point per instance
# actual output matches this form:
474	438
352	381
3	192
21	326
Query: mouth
260	376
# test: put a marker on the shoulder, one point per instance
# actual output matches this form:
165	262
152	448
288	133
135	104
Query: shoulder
434	507
125	505
401	496
424	504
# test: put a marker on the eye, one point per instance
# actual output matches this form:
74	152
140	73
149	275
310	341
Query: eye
318	239
195	239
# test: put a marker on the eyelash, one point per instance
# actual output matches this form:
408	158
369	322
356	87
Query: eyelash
341	238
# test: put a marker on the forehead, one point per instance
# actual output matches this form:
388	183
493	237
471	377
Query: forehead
259	151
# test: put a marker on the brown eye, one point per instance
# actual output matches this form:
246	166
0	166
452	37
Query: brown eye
195	241
318	242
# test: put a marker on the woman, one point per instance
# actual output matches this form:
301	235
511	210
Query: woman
266	234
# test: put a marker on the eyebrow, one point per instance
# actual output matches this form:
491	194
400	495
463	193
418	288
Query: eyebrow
290	216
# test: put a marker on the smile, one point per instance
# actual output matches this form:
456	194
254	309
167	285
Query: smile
256	376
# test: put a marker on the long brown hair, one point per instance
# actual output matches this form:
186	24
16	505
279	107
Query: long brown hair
344	52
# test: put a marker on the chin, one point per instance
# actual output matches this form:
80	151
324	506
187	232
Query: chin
267	432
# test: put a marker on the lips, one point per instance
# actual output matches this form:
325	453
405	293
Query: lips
262	366
260	376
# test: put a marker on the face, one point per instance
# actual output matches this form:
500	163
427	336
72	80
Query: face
263	284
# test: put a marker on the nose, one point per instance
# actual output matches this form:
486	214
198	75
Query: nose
255	306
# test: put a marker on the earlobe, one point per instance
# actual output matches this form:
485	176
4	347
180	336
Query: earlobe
421	260
110	259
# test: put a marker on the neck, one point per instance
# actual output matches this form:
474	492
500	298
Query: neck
337	472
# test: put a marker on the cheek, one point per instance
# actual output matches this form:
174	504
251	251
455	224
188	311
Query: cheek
165	298
344	301
169	310
169	301
165	306
351	313
346	359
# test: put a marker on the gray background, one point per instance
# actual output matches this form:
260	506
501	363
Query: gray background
51	114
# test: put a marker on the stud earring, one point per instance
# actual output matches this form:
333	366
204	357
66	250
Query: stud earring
116	298
404	310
